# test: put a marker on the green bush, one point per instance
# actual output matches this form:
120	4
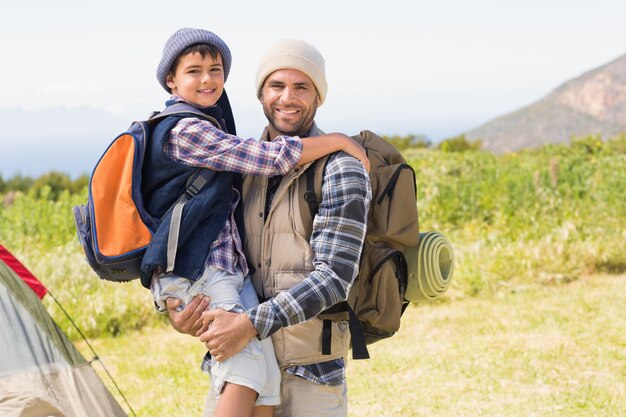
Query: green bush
16	183
459	144
56	181
527	217
403	143
35	220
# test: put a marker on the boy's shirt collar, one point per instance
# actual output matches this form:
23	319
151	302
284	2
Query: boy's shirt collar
177	99
214	111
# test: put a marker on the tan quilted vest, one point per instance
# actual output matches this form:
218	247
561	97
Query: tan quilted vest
279	250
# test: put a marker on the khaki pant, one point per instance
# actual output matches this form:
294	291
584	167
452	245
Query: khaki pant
301	398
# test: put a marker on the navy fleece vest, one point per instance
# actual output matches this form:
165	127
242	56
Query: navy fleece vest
164	180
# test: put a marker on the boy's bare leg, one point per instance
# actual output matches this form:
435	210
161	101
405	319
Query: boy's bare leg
235	401
258	411
263	411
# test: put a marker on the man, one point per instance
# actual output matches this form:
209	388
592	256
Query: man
296	278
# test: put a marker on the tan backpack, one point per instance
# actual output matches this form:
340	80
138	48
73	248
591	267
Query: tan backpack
376	300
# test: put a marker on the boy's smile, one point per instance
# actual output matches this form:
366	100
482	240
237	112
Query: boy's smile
198	80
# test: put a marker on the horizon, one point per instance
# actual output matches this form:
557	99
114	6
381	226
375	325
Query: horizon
446	68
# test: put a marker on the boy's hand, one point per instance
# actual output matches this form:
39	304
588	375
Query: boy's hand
228	333
188	321
351	147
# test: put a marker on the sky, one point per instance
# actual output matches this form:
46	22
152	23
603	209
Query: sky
394	67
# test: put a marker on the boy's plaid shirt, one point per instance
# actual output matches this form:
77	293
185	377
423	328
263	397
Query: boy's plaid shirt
198	143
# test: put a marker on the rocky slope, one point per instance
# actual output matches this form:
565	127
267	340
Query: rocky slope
594	103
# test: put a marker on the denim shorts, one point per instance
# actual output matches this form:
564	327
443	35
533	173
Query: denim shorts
255	366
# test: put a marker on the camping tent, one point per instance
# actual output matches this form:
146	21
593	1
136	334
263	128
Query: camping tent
42	374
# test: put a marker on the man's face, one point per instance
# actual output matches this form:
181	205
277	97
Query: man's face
289	100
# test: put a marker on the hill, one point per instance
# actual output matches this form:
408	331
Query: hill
593	103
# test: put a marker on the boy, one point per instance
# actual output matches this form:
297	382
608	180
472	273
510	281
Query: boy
194	67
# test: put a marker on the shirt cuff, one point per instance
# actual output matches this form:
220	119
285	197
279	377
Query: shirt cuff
290	155
264	319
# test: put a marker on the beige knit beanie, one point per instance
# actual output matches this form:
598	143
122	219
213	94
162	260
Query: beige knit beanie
293	54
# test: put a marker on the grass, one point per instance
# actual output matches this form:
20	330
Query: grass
157	369
543	350
532	325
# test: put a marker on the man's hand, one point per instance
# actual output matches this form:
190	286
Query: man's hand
228	333
189	320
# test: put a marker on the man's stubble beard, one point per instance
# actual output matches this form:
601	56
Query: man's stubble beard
300	128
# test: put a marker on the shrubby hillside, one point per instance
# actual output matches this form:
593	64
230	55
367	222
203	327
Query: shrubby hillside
537	217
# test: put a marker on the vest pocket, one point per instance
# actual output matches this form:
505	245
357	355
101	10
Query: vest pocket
301	344
285	280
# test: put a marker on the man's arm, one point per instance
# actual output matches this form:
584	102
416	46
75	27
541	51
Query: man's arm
337	240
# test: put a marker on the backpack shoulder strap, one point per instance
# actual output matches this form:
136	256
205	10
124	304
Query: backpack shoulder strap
180	108
193	187
312	195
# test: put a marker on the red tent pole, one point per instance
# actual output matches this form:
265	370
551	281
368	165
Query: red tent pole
23	272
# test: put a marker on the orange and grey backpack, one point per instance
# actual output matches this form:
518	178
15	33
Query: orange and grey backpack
376	300
114	228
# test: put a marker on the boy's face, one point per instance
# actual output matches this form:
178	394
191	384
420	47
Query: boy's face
289	100
198	80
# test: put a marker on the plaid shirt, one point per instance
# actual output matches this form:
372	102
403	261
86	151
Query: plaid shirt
198	143
337	239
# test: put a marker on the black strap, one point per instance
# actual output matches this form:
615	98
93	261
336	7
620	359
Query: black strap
359	347
327	335
309	195
314	180
388	191
404	306
337	308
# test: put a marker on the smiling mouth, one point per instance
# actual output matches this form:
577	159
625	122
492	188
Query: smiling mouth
207	91
287	111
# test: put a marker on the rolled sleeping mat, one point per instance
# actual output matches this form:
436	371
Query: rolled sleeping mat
430	264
